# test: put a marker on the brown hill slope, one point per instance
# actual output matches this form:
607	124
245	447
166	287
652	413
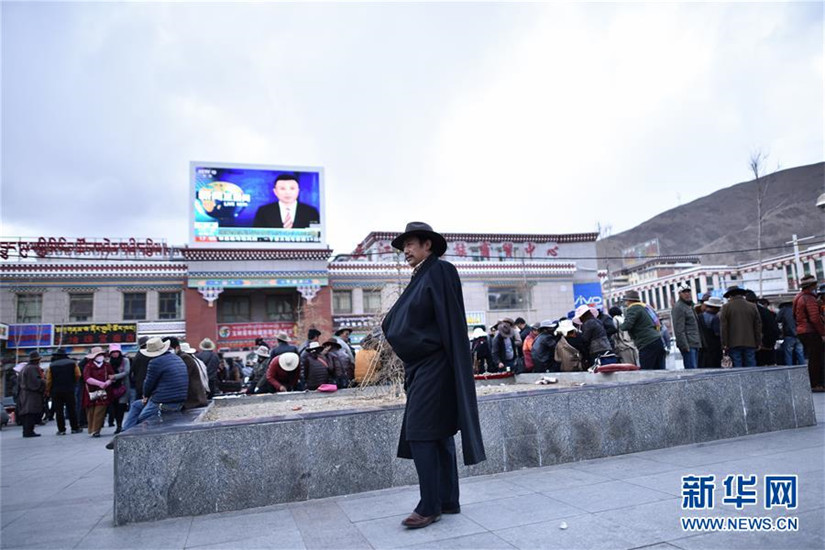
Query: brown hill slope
726	220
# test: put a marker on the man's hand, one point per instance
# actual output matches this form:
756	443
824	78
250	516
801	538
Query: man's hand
145	400
500	365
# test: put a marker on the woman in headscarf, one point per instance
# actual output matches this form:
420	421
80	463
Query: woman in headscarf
120	384
96	375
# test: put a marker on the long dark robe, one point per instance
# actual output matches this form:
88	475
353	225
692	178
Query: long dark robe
32	387
427	329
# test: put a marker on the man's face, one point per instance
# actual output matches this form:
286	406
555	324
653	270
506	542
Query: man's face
287	191
416	251
685	295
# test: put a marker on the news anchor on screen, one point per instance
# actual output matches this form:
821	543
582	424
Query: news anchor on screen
286	212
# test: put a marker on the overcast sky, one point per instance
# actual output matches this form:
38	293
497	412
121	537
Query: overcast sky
472	117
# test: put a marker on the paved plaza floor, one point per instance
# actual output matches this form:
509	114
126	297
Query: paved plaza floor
57	493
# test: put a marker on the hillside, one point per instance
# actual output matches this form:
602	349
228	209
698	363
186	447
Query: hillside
726	220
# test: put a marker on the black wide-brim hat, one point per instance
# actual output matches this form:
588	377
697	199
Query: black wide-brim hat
734	290
421	229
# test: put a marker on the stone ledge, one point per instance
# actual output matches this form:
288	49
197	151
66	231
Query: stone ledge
181	467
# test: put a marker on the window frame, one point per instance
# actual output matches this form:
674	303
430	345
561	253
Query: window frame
29	319
72	301
131	315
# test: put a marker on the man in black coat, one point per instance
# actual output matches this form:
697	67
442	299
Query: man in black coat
61	378
427	330
286	212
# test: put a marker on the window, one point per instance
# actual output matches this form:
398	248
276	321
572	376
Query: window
790	276
708	283
234	309
81	306
372	301
820	274
341	301
697	287
134	306
29	308
279	307
169	305
506	297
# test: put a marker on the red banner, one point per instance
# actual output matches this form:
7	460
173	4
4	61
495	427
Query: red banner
244	334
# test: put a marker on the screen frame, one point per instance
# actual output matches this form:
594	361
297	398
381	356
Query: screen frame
251	244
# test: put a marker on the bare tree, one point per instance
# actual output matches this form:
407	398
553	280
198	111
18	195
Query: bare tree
763	182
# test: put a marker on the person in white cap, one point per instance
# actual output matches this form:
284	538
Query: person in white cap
282	374
568	357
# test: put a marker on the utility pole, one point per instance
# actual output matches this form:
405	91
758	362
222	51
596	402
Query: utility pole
797	262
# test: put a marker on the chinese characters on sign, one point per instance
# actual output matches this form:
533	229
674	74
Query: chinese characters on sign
246	333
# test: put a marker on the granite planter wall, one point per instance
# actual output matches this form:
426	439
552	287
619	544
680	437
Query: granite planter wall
184	468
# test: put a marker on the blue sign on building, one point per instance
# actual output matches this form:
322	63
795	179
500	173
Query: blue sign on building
587	293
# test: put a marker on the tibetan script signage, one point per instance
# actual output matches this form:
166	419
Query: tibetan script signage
91	333
60	247
30	336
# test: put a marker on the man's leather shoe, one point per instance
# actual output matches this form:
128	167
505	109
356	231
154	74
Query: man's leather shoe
31	435
456	510
417	521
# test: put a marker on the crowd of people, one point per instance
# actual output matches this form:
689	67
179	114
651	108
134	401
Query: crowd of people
167	375
736	330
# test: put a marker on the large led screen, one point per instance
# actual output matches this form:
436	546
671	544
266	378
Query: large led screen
256	205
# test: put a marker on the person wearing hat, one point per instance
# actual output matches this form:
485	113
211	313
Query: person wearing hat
196	390
97	375
282	374
810	329
61	378
543	351
284	346
30	399
594	337
622	341
480	351
338	360
165	388
740	328
259	370
210	358
566	355
120	386
641	322
686	327
792	349
505	345
711	332
315	367
202	374
427	329
527	347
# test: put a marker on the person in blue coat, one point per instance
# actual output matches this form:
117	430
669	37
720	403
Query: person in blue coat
427	329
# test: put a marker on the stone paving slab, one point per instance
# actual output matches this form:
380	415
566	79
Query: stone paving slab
56	492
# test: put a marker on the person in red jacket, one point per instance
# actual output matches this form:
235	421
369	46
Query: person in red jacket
810	330
281	375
